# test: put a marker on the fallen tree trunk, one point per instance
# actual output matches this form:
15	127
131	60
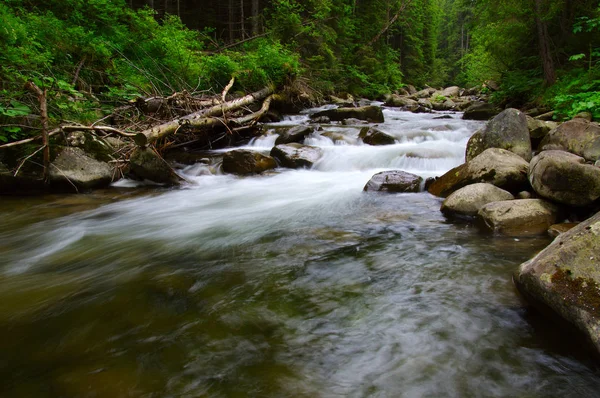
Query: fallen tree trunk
204	117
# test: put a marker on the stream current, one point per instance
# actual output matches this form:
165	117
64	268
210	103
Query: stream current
290	284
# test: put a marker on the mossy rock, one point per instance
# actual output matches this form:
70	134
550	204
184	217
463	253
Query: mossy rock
578	136
372	114
522	217
374	136
563	280
242	162
564	178
496	166
508	130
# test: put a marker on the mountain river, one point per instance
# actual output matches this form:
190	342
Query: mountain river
295	283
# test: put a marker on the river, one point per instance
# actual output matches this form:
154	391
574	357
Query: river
291	284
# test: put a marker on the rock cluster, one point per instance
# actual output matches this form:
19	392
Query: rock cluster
521	177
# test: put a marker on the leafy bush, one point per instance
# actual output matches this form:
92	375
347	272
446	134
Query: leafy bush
578	91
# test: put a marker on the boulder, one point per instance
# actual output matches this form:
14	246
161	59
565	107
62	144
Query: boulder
508	131
424	102
538	129
496	166
372	114
73	166
522	217
565	178
92	145
399	101
394	181
453	91
146	164
349	101
242	162
480	111
294	134
411	89
563	280
584	115
296	156
373	136
468	200
577	136
425	93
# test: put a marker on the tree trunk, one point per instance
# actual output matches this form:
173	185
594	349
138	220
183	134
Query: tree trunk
544	44
255	17
231	21
242	21
200	118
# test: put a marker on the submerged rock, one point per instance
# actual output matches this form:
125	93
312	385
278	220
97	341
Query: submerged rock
565	178
496	166
577	136
468	200
146	164
394	181
564	279
244	162
294	134
508	131
296	156
522	217
372	114
373	136
480	111
73	166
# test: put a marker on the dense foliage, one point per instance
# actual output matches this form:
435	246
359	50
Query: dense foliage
93	55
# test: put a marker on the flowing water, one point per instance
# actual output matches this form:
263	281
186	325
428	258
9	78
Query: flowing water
291	284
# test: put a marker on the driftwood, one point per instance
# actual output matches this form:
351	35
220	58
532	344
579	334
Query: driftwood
204	117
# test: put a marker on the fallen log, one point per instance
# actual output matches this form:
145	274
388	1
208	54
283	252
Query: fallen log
204	117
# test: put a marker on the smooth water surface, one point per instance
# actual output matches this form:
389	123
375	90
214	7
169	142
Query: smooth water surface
291	284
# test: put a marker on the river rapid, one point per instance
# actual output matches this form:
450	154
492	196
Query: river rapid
290	284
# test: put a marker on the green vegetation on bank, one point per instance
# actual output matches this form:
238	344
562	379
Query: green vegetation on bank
94	55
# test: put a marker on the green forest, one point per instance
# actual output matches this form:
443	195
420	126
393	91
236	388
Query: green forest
92	56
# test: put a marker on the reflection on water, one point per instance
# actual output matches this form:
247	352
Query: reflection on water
290	284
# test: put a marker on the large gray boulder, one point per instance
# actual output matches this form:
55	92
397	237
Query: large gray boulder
480	111
468	200
73	167
508	131
565	178
296	156
453	91
294	134
242	162
578	136
522	217
564	279
496	166
394	181
374	136
372	114
146	164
